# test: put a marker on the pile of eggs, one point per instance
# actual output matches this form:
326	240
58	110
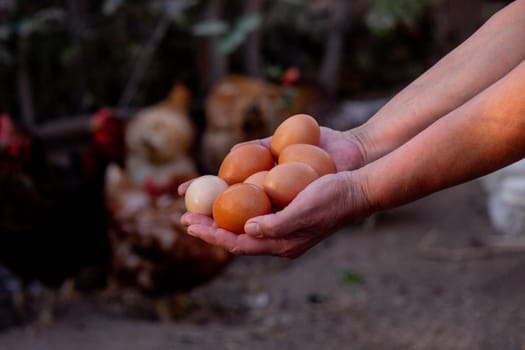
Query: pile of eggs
254	180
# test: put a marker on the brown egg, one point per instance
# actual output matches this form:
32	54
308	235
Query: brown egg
238	203
244	161
299	128
284	181
312	155
257	179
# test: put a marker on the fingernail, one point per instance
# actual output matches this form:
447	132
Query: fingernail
253	229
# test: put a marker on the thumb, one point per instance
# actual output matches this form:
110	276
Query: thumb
270	226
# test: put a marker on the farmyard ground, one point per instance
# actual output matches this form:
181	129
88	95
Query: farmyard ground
417	278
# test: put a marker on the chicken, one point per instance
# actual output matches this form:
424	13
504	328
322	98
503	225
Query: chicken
20	202
23	185
151	250
505	190
237	109
107	144
241	108
159	142
52	218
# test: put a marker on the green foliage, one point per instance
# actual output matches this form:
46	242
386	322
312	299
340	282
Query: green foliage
273	72
386	15
210	27
95	60
306	18
352	278
41	22
239	33
231	36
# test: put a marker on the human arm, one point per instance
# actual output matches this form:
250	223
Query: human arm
490	53
481	136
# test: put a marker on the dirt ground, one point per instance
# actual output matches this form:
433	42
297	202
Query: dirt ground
418	277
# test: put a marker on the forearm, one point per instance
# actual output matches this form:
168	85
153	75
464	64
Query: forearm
495	49
483	135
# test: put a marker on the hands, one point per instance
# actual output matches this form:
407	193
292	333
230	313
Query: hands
318	211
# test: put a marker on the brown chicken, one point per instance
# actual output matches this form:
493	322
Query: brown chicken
151	250
237	109
240	108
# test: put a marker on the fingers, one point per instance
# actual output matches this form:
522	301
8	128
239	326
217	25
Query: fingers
181	190
237	244
188	219
203	227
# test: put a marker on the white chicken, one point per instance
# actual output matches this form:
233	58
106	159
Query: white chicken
506	199
159	139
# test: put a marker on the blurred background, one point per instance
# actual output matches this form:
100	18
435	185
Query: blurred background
89	53
107	106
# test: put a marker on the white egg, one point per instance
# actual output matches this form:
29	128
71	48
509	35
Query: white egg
201	194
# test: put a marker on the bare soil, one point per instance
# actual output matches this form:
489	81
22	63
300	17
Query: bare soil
417	277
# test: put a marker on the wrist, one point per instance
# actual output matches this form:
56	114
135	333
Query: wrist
361	138
360	200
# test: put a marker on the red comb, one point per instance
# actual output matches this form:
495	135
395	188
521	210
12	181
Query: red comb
151	188
290	76
100	116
